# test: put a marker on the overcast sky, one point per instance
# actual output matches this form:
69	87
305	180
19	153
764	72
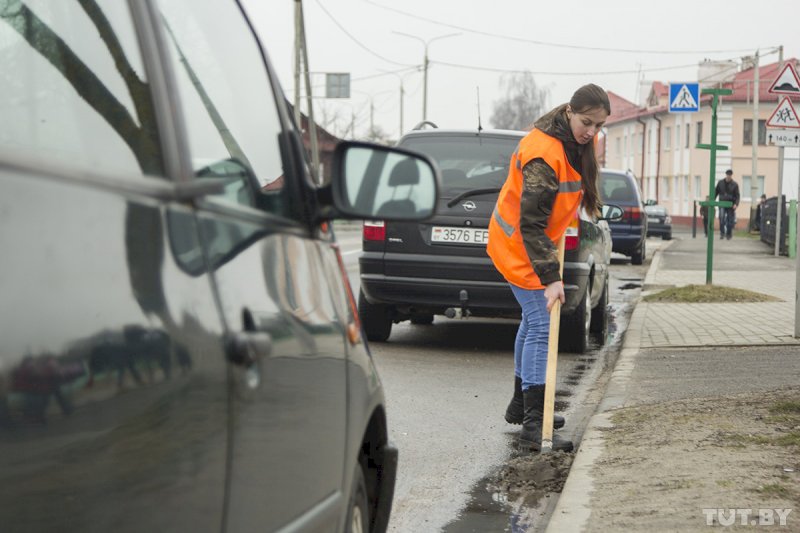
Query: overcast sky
471	44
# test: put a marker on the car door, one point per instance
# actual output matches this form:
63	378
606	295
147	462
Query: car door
284	332
113	409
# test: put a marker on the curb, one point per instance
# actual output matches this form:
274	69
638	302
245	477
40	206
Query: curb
572	511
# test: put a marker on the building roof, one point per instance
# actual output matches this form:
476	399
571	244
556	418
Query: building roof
623	110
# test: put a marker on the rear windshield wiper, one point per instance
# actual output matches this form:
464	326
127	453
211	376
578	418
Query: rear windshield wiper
473	192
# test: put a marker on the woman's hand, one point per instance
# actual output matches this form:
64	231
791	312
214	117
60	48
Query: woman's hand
553	292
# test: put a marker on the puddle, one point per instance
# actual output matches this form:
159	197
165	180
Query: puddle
629	286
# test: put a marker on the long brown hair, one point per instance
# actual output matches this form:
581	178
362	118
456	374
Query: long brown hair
586	99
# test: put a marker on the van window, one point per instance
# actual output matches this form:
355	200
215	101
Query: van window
229	109
74	90
616	187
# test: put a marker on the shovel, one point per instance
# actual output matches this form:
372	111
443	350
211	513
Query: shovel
552	362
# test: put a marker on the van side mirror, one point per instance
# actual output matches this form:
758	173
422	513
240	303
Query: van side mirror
611	212
371	181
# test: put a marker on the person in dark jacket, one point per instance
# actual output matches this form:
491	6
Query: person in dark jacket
727	190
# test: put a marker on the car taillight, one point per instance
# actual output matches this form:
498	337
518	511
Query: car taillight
573	235
374	230
632	214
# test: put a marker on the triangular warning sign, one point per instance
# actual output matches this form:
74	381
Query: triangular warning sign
787	82
684	99
784	116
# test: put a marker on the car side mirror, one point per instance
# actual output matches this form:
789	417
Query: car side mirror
611	212
371	181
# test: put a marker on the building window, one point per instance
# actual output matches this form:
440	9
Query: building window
747	132
618	146
667	138
699	132
640	140
747	183
677	136
697	190
688	129
666	182
625	146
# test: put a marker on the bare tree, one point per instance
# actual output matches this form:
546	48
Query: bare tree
523	103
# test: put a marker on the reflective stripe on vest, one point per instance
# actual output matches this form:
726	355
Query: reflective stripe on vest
505	246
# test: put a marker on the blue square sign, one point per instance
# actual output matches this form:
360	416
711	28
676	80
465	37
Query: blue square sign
684	97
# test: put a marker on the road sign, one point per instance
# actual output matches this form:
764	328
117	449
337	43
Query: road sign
684	97
784	116
783	137
787	82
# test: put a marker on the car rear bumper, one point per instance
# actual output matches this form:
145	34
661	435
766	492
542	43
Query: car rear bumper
654	228
484	298
626	243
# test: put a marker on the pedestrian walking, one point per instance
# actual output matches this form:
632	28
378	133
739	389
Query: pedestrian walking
704	214
552	173
727	190
759	211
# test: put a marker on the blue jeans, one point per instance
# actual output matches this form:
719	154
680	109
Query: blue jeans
727	218
530	348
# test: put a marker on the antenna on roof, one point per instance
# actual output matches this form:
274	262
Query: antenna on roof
478	89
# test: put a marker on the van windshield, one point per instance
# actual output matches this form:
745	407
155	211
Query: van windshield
467	163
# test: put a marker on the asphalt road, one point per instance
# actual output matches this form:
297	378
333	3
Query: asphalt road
447	387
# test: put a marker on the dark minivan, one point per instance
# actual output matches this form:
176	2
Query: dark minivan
180	348
629	233
413	271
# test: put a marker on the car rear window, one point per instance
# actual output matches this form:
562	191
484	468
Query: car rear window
616	187
467	162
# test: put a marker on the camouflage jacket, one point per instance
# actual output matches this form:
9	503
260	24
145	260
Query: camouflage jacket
538	196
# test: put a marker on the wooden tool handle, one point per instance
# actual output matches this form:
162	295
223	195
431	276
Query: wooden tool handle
552	362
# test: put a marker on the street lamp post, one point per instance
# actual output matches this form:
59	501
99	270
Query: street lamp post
425	64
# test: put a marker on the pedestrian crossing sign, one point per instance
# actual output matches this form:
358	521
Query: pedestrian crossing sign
684	97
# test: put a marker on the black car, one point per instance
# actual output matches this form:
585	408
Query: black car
413	271
629	234
659	223
180	349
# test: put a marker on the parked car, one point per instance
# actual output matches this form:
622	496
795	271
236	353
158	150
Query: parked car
416	270
659	223
629	234
180	348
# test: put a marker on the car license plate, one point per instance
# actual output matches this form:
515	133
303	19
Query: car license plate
447	235
651	219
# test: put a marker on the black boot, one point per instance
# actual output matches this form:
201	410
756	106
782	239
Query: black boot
530	438
515	406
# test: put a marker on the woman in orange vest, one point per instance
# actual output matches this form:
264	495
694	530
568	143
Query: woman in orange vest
553	172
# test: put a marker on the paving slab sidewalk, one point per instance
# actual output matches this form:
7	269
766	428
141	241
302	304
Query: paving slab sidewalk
681	356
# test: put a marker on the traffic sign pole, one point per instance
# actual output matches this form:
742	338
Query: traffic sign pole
713	147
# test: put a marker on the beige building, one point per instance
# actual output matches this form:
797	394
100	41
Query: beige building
659	147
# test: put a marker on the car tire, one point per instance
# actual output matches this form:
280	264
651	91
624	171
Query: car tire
667	236
375	319
574	330
637	257
422	320
358	518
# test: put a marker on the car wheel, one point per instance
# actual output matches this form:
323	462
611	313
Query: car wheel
599	324
422	320
667	236
375	319
358	510
637	257
574	331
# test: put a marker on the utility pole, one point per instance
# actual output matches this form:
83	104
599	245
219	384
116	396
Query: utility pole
301	65
755	137
779	213
425	65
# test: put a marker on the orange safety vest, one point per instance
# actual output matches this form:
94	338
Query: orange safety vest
505	245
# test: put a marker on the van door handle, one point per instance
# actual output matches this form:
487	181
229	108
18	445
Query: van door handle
247	347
